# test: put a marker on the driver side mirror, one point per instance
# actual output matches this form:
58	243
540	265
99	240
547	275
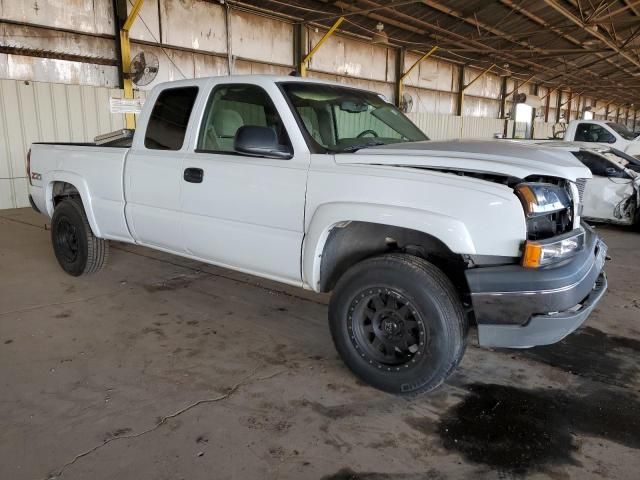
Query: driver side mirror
259	142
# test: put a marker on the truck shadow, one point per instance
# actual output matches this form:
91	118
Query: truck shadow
593	354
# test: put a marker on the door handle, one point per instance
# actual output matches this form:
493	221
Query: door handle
193	175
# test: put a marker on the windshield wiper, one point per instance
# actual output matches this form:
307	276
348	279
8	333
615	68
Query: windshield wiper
355	148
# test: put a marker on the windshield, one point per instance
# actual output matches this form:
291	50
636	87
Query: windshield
621	130
343	119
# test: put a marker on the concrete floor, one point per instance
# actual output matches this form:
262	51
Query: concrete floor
165	368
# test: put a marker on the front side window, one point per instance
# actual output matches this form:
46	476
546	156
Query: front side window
343	119
590	132
169	118
593	162
233	106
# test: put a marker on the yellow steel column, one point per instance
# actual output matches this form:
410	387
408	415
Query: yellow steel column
305	61
405	74
125	57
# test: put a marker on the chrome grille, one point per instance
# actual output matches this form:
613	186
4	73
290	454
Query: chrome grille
581	183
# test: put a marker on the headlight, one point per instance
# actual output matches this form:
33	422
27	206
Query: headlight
542	198
541	253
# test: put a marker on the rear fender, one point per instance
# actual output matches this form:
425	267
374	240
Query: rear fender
81	186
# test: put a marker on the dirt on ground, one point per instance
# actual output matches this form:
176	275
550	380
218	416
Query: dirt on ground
165	368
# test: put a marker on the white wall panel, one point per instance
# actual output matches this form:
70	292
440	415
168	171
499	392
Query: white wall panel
209	66
243	67
146	27
481	107
38	112
348	56
432	101
25	37
488	85
543	130
194	24
431	74
259	38
19	67
93	16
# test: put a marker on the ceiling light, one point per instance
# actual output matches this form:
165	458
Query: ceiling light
380	37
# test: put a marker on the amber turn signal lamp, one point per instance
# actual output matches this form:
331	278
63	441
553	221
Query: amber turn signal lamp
532	255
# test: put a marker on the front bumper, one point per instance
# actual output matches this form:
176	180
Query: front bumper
519	307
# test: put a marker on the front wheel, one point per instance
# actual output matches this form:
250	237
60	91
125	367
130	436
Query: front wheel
398	323
77	249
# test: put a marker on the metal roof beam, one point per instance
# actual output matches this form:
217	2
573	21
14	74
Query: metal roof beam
521	10
478	24
592	31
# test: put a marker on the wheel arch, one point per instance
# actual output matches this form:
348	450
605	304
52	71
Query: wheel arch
340	235
64	185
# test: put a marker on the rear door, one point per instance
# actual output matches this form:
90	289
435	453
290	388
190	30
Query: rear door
153	170
239	211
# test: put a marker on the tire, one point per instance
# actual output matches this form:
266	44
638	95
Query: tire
77	249
398	323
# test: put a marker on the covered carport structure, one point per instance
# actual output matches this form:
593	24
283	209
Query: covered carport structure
587	48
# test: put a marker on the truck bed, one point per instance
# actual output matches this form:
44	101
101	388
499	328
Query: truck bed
84	165
122	138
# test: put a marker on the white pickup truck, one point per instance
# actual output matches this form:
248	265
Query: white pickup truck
599	131
331	188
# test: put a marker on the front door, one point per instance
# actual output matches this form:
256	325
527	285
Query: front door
240	211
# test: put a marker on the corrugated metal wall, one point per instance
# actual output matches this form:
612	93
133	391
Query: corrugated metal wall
440	126
33	112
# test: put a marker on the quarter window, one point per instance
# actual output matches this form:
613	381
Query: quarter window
167	124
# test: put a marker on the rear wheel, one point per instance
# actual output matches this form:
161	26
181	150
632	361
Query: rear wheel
398	323
77	249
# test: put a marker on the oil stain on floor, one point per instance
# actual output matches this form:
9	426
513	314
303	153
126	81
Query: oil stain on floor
348	474
520	430
593	354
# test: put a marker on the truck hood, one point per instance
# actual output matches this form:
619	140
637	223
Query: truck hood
486	156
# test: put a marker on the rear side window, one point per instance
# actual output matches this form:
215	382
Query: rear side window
169	118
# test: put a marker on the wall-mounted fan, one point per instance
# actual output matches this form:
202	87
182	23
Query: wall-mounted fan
406	105
144	68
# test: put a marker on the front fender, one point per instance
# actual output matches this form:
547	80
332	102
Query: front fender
633	148
83	189
450	231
